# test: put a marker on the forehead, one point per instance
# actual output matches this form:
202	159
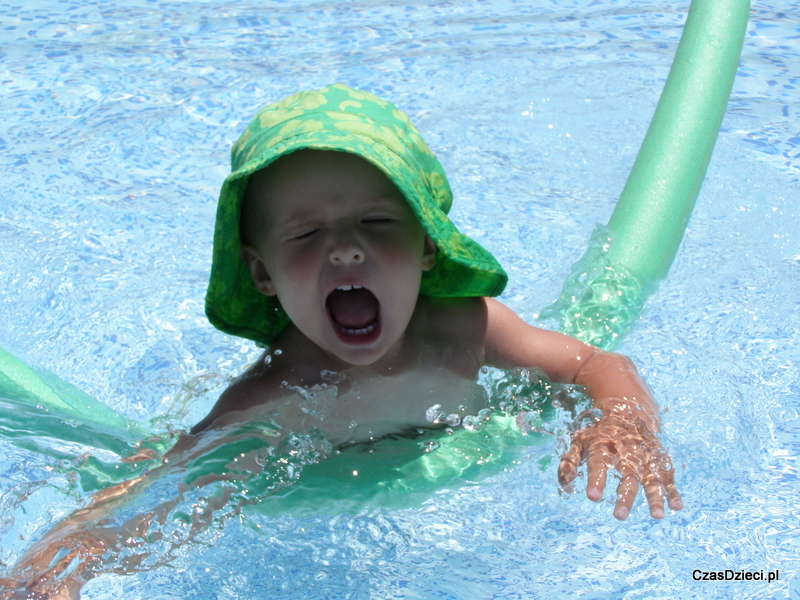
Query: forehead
316	178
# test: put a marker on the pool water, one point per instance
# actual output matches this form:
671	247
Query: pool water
117	123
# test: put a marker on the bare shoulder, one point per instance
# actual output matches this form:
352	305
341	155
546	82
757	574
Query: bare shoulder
287	363
460	320
449	333
257	385
470	333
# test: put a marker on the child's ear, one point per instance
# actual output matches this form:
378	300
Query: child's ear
429	251
258	271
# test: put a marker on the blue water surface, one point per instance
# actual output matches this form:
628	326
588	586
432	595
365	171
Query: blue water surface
117	120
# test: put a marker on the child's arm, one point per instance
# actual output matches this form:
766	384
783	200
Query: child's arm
88	541
83	544
72	550
58	565
622	438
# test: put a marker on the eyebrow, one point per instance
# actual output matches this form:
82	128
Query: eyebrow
296	219
379	199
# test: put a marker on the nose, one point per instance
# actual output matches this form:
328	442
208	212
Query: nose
346	251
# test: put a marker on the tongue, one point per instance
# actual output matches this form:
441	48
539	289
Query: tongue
354	309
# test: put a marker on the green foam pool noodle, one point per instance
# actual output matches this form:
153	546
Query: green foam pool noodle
21	383
608	286
652	212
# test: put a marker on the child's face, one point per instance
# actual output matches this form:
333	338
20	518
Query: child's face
337	242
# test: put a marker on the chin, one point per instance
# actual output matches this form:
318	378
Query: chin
359	357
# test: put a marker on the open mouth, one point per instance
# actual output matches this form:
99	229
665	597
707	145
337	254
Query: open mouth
355	314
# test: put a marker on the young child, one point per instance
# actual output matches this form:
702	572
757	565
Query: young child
333	248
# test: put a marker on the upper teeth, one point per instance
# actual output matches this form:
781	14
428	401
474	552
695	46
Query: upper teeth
347	288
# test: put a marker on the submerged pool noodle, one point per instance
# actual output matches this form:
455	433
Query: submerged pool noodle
647	226
608	288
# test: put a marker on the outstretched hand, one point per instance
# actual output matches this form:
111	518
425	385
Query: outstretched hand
627	444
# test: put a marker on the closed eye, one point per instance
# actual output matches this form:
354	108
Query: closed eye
305	234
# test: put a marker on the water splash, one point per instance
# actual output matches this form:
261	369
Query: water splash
177	500
600	301
538	405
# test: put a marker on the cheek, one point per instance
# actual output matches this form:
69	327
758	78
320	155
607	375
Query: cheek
294	271
405	248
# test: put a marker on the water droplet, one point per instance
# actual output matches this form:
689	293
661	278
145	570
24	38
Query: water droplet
453	420
434	414
471	423
332	377
430	445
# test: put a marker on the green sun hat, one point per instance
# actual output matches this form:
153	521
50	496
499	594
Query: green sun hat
341	119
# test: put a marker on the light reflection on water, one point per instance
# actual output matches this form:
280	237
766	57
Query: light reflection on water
116	131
